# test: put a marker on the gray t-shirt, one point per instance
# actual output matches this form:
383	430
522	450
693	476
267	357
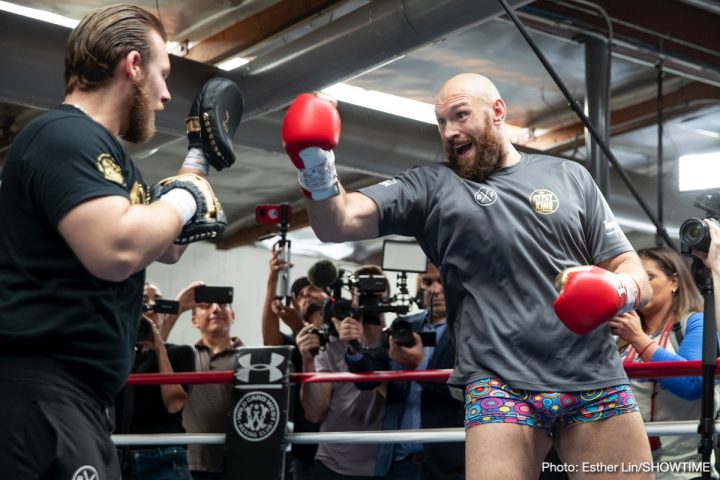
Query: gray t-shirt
350	410
499	245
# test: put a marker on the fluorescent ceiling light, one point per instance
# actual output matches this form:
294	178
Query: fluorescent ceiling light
383	102
699	172
232	63
39	14
403	107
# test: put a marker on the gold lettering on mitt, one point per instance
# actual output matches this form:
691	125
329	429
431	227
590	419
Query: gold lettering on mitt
138	196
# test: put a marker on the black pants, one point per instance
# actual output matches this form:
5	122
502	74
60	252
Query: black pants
50	428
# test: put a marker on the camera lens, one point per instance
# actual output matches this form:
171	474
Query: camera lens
402	333
694	234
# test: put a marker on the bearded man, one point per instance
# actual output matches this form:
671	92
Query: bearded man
77	231
537	369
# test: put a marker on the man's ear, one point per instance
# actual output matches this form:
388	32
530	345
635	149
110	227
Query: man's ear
499	111
132	66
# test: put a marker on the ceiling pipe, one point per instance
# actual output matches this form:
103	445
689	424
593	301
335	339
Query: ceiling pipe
32	54
357	42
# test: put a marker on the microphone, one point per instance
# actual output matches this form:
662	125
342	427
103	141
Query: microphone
323	274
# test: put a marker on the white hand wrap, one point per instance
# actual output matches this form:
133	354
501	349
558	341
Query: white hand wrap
195	159
183	201
319	176
632	291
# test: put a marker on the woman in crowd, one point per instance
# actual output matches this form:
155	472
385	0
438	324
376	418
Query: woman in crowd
667	329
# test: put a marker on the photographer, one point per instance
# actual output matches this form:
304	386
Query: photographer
208	405
305	308
711	259
341	406
155	408
415	405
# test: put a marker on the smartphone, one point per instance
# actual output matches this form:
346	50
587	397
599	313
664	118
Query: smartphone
166	306
275	213
219	295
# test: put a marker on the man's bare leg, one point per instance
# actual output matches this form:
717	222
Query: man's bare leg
618	443
504	450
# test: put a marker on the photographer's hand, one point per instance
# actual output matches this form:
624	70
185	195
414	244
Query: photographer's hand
408	357
307	343
711	258
289	314
349	329
186	301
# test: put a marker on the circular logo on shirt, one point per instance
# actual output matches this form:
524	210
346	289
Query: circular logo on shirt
256	416
544	201
85	472
485	196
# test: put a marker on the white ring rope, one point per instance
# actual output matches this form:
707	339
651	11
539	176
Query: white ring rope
436	435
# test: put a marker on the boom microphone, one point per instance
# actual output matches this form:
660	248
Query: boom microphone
323	274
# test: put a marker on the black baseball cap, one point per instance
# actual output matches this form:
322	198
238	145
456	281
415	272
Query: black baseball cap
298	285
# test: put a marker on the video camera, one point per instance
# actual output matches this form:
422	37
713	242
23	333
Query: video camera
372	299
694	234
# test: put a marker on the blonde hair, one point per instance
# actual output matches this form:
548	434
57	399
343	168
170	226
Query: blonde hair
102	38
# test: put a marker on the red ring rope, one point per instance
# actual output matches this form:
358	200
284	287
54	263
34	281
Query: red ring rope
636	370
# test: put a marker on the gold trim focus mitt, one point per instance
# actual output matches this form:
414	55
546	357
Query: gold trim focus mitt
213	119
209	221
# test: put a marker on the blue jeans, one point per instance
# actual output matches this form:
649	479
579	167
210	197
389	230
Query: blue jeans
161	463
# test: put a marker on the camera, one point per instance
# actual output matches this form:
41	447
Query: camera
323	334
145	330
162	306
401	332
371	303
694	234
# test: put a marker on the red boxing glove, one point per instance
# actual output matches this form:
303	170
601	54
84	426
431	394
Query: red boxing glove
311	130
592	295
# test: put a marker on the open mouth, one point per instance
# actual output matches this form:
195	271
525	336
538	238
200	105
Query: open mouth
461	150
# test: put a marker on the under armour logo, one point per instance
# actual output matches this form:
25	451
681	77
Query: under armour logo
246	366
86	472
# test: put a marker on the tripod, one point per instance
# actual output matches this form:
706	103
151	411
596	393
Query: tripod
706	428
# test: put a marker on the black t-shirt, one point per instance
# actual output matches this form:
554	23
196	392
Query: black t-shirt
301	424
149	414
50	305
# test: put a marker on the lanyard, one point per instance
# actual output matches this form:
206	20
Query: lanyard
632	355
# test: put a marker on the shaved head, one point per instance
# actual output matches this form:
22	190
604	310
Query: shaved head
471	122
471	86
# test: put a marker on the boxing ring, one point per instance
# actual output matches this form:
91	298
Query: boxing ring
262	377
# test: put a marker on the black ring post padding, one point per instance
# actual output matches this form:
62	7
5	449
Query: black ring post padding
575	106
255	442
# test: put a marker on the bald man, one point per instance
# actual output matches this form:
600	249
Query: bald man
501	225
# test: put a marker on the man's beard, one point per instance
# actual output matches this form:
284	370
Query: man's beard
487	157
141	121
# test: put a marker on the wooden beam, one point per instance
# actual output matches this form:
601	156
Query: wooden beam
255	28
679	102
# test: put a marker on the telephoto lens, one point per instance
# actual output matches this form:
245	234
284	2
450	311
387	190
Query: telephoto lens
694	234
401	331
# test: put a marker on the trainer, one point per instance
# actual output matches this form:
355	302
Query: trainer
78	227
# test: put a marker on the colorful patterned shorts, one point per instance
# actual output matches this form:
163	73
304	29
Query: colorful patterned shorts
491	401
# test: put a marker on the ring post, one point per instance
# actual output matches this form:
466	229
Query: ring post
255	444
